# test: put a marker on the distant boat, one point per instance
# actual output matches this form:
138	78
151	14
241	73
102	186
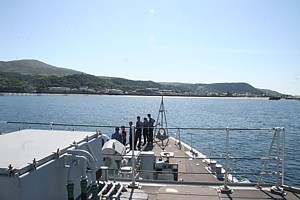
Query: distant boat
274	98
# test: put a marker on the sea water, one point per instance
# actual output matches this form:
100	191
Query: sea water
187	112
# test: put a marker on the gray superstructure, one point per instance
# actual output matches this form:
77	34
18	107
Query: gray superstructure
38	164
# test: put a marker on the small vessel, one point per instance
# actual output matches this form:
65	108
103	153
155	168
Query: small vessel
57	164
274	98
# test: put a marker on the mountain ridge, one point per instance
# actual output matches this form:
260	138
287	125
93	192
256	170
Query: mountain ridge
19	75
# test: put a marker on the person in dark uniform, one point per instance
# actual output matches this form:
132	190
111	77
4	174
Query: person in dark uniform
138	133
145	130
151	128
124	135
117	135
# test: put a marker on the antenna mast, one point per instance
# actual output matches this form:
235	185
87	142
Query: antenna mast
161	128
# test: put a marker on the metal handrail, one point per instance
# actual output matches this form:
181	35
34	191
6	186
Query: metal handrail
227	129
110	126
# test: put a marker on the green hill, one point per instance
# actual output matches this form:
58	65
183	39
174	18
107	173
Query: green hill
76	81
21	75
33	68
33	75
240	88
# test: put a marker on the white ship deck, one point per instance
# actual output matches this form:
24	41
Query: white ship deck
21	147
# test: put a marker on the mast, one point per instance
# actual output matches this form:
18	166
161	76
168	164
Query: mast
161	128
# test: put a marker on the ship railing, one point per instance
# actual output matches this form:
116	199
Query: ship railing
229	174
275	152
188	135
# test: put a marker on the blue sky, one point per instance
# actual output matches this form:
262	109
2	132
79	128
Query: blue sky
212	41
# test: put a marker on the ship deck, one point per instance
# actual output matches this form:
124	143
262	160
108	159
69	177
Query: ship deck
195	182
191	168
189	192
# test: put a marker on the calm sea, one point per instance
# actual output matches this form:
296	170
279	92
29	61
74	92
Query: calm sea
181	112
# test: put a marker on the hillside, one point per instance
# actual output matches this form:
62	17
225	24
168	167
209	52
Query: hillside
133	85
271	92
32	68
240	88
36	76
94	83
33	75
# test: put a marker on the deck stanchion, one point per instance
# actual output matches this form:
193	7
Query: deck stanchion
277	157
283	146
177	139
262	173
225	188
133	184
277	189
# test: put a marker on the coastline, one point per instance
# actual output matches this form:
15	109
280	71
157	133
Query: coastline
135	95
297	98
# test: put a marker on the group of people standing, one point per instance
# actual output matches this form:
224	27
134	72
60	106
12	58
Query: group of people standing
144	128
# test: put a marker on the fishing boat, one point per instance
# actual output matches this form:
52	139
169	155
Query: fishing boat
58	164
